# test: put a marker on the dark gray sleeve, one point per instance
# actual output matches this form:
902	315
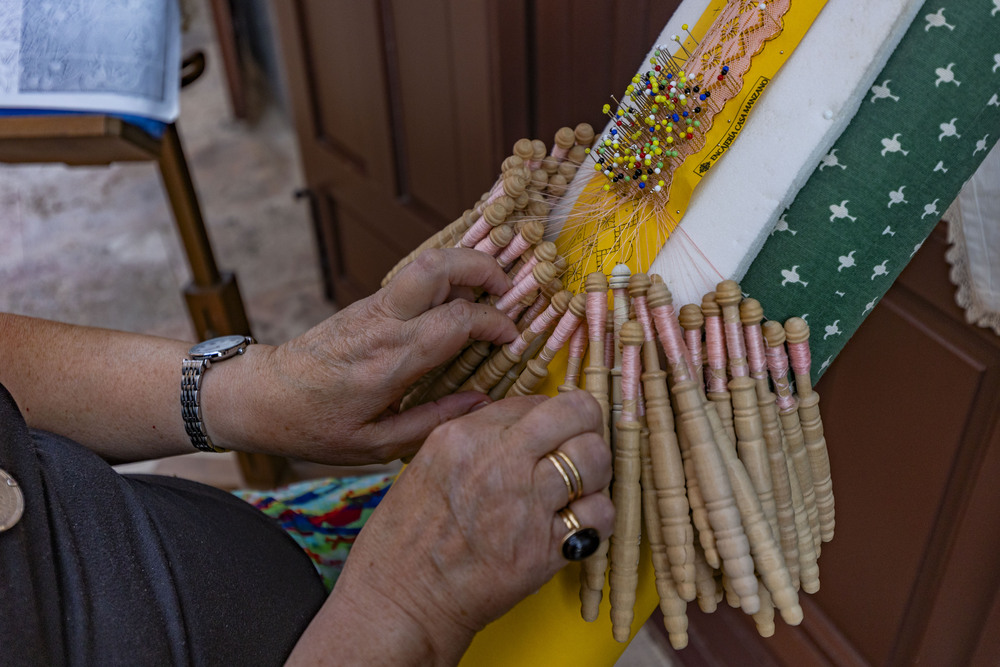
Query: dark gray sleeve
113	570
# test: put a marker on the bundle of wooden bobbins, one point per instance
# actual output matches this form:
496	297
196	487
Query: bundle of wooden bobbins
717	461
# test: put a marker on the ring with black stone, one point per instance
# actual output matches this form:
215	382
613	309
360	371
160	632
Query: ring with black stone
579	542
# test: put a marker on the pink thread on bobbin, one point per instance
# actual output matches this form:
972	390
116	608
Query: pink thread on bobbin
672	342
597	316
609	346
800	356
536	309
642	315
630	379
559	153
777	363
737	350
693	339
577	347
516	293
566	327
715	349
479	230
514	249
488	246
525	270
755	351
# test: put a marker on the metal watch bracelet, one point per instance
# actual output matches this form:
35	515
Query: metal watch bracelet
192	372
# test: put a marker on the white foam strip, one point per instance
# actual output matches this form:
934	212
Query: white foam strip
803	111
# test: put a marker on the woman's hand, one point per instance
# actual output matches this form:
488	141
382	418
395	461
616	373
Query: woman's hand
468	530
331	394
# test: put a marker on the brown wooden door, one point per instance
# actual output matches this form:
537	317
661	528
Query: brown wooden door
405	109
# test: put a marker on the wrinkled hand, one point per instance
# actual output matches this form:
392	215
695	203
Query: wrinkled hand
332	391
470	527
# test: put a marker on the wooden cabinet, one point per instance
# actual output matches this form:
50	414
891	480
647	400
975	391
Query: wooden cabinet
405	109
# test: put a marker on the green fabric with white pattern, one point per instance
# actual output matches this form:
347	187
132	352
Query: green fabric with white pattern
923	129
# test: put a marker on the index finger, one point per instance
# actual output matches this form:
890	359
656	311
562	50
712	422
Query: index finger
558	419
427	282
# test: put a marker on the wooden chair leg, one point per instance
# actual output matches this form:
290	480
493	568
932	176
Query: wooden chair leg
213	298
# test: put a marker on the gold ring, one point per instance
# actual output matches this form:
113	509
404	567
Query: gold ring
579	542
562	473
575	471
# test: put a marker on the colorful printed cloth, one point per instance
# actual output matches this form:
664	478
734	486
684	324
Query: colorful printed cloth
324	516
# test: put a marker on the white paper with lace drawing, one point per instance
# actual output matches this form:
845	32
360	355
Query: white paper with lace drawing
974	232
107	56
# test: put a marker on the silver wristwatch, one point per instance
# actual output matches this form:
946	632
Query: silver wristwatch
200	358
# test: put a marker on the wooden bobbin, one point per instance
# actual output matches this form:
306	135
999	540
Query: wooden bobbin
557	301
800	474
618	283
494	215
542	273
577	155
445	238
596	373
498	239
511	162
775	336
807	546
530	233
502	360
460	370
538	153
539	181
540	303
767	555
709	593
563	141
524	150
550	165
764	619
626	492
557	185
568	170
797	336
717	382
542	252
583	133
521	201
743	391
672	606
538	208
713	475
675	530
574	359
751	315
699	513
692	321
537	369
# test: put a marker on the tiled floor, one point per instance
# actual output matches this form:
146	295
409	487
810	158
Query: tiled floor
97	246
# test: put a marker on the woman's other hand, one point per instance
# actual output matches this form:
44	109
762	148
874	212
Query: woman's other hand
468	530
331	395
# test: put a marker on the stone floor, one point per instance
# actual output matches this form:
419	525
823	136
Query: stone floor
97	246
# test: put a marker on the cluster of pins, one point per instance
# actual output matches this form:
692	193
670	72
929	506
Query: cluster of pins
663	111
508	221
717	460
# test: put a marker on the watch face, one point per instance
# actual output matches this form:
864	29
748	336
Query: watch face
218	347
